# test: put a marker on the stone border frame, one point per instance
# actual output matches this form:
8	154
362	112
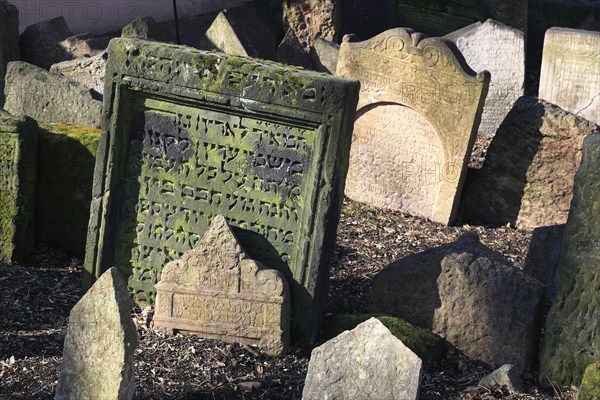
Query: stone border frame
407	46
216	81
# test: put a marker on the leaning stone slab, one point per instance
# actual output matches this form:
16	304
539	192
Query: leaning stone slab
215	291
527	177
291	51
570	77
206	133
415	124
89	71
100	344
49	97
9	40
572	331
486	46
312	19
66	160
469	295
325	55
242	31
141	28
40	43
367	363
505	376
18	173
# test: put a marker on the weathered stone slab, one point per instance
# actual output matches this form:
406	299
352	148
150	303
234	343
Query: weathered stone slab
18	163
66	159
415	124
40	43
440	17
141	28
367	363
49	97
189	135
100	344
505	376
572	331
215	291
485	46
527	177
84	45
242	31
469	295
570	76
89	71
9	40
312	19
291	51
325	55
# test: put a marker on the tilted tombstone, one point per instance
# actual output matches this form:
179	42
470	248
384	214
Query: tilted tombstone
18	160
570	76
242	31
416	122
217	292
572	330
9	39
98	353
189	135
499	49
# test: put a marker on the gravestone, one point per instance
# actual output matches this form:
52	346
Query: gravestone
215	291
325	55
206	133
291	51
499	49
572	331
18	156
141	28
469	295
49	97
241	31
312	19
66	160
100	344
367	363
39	43
9	40
89	71
527	177
415	124
570	76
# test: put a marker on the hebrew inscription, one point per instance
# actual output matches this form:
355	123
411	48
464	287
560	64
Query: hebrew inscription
570	76
217	292
432	104
188	135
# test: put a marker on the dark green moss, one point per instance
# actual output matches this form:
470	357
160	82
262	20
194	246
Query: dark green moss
590	384
429	347
65	170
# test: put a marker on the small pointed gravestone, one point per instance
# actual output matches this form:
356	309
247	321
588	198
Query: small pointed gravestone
18	159
242	31
217	292
100	344
366	363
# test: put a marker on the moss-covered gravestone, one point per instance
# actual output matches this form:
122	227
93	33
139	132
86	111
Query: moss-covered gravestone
18	155
572	332
188	135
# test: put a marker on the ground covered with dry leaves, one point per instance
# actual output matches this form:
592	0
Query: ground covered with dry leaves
35	301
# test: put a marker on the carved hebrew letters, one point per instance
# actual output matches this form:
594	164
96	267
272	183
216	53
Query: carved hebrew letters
189	135
570	76
418	112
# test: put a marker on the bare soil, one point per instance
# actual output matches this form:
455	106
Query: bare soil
35	301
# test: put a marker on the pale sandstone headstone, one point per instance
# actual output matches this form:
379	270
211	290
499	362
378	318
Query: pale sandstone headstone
572	329
415	125
570	76
241	31
367	363
215	291
100	344
499	49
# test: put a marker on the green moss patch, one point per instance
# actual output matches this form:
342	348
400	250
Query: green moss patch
66	162
590	384
429	347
